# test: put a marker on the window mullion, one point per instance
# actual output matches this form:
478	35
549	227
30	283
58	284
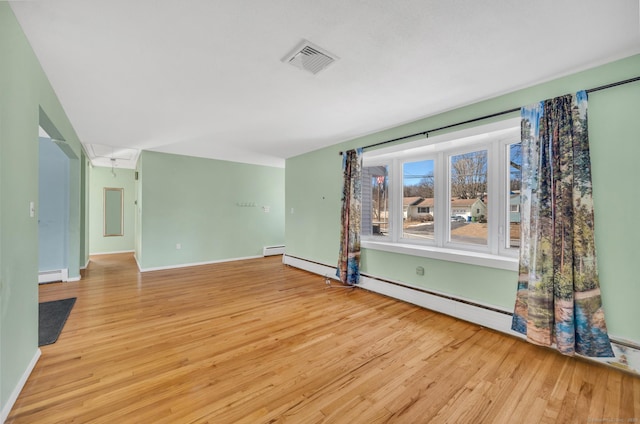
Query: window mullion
506	219
441	195
504	233
494	184
396	200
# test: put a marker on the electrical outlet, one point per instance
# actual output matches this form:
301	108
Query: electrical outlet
419	270
178	246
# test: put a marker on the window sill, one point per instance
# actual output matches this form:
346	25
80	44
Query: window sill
445	254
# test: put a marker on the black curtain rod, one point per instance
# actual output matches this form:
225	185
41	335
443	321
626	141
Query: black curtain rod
493	115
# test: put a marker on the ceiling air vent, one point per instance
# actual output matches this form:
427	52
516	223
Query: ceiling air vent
309	57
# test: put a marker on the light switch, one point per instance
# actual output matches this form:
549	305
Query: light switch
32	210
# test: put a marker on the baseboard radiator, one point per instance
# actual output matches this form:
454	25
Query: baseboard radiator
272	250
627	351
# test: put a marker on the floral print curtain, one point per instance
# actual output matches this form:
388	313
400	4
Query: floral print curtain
558	298
349	257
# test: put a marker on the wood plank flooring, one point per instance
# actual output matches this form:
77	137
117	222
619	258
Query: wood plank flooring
258	342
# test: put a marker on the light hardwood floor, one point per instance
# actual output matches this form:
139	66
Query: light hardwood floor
258	342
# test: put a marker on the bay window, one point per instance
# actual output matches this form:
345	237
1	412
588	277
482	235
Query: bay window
453	197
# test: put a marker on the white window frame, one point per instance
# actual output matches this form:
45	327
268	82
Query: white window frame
447	235
505	234
495	138
399	165
390	179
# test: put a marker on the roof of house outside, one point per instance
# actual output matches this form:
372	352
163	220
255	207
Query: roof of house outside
427	202
411	201
463	202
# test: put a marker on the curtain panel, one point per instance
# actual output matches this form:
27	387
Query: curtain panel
558	298
349	256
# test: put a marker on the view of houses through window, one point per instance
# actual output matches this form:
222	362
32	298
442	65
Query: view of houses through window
469	194
418	200
463	192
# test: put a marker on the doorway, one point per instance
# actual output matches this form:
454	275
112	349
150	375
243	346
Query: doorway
53	216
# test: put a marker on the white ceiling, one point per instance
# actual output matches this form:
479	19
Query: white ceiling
205	78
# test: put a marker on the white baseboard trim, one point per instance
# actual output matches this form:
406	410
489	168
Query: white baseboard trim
53	275
625	342
490	317
57	275
86	265
6	408
111	253
314	267
161	268
273	250
472	311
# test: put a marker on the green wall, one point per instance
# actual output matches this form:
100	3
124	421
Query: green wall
99	179
197	202
26	101
313	190
212	208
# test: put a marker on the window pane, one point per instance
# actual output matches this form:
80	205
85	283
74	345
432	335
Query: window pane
468	207
515	181
375	200
417	200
